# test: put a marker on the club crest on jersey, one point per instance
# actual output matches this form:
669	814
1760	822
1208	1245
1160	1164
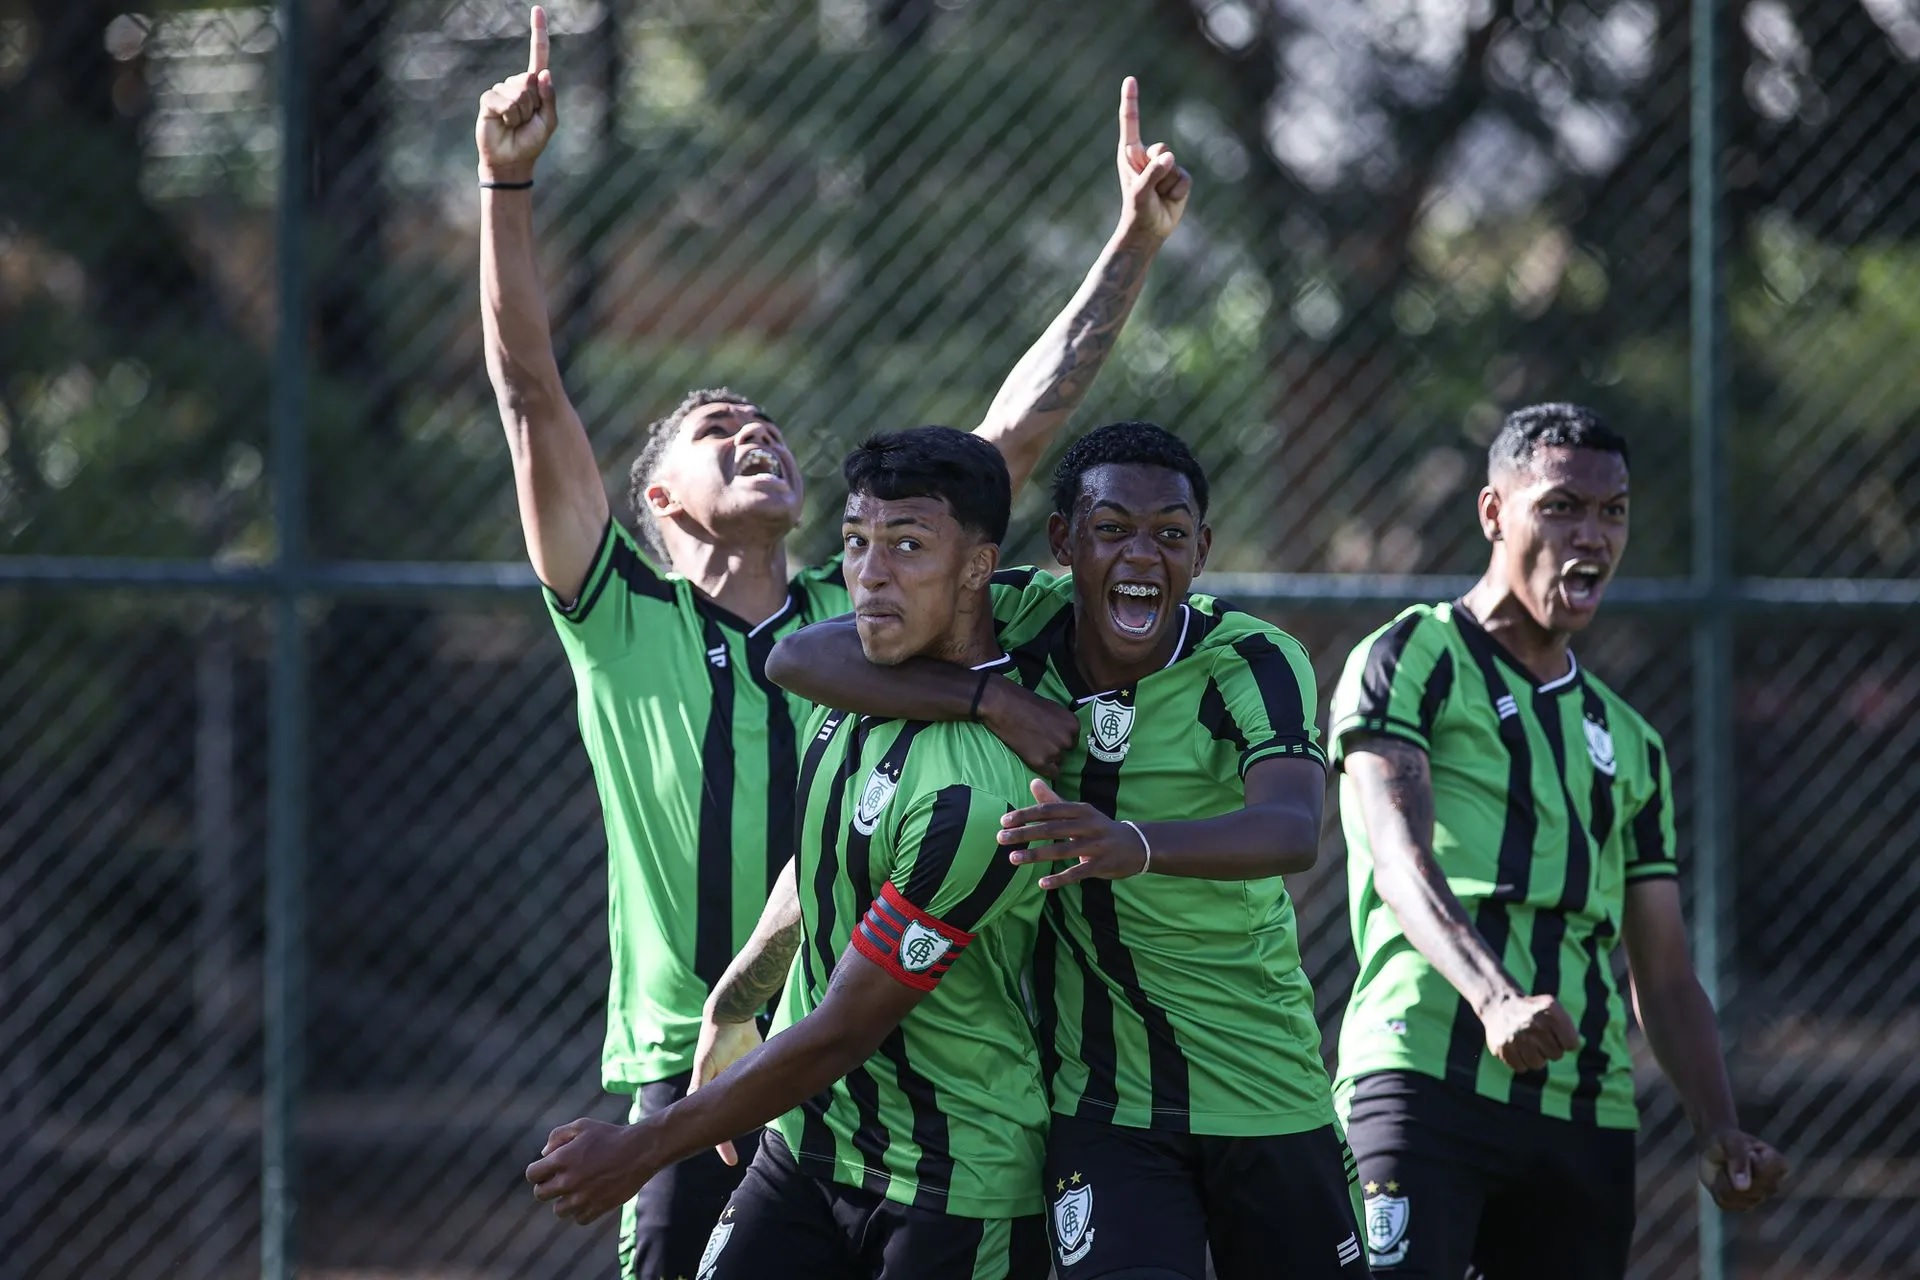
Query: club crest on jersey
715	1243
1111	724
1599	746
1073	1223
873	799
1386	1224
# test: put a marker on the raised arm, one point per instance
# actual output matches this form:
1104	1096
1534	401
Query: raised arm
1393	782
824	663
1276	832
1739	1169
1056	373
563	503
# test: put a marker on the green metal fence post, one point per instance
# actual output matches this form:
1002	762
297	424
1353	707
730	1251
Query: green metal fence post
1712	563
287	723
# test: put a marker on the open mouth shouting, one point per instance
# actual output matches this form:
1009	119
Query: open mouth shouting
1581	582
758	461
1135	607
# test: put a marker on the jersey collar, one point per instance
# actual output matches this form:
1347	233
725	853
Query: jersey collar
1559	684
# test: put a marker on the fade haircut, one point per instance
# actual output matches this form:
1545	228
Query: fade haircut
962	470
660	438
1550	426
1125	444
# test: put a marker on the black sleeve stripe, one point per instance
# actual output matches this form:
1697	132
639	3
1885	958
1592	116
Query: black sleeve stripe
1280	693
640	577
1013	577
934	858
1383	660
1217	719
1000	872
598	573
1648	840
1439	685
1380	724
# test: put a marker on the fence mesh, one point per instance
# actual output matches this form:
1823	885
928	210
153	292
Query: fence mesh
1408	216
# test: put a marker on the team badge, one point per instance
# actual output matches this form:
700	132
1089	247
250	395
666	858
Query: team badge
715	1243
1387	1217
1599	746
1073	1223
1112	723
873	800
921	947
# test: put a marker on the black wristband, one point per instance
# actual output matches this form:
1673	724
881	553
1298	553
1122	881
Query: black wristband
506	186
979	690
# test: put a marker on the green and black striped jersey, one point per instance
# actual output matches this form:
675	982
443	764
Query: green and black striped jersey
1171	1003
1548	799
897	859
694	755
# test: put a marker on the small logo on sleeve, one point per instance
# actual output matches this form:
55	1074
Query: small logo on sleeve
1073	1221
1387	1217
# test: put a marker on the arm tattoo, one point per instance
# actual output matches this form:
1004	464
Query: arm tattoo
756	974
1092	330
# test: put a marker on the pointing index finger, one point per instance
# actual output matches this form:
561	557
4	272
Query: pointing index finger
537	56
1129	112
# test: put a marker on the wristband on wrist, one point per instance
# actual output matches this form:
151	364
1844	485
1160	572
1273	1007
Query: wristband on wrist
1144	844
505	186
979	691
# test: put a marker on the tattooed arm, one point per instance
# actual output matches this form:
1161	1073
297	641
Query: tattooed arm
1056	373
728	1032
1392	781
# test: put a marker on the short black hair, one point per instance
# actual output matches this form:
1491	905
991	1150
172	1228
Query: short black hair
1131	443
660	436
1550	426
963	470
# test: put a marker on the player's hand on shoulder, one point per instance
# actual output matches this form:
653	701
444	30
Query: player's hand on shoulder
518	116
1039	731
589	1168
1527	1032
1057	830
1740	1170
721	1045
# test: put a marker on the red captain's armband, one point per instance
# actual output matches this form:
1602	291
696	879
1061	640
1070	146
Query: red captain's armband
908	943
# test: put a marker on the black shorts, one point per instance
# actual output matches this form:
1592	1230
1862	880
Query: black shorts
784	1223
664	1228
1452	1179
1123	1200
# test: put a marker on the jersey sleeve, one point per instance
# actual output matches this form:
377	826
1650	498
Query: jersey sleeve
1025	600
1650	835
1396	683
622	594
947	880
1268	696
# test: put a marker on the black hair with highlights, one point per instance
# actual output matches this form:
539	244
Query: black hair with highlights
962	470
1127	444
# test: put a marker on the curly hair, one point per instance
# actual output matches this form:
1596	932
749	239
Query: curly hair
1550	426
1130	443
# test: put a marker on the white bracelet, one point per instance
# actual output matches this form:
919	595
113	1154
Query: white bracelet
1144	844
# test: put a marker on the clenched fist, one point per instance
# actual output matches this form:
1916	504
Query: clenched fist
1528	1032
518	116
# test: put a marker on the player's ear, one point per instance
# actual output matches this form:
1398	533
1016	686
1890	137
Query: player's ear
1490	513
1202	544
661	502
981	563
1057	528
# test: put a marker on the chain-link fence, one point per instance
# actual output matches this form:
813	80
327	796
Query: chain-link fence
299	853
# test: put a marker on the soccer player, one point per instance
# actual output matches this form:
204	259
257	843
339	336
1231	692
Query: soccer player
1510	822
902	1070
694	751
1190	1105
